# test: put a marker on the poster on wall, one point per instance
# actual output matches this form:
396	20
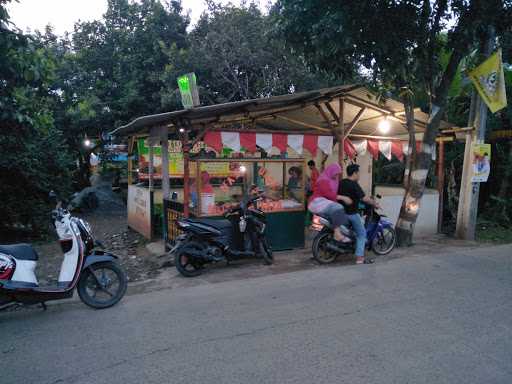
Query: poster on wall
139	210
481	162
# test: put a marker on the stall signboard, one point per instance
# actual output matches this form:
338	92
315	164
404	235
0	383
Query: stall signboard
176	164
481	162
139	210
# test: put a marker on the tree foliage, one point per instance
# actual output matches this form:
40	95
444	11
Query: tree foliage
34	158
399	45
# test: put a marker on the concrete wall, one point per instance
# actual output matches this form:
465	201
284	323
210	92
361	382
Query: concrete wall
427	220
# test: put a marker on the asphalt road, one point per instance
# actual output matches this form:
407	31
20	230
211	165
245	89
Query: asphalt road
443	318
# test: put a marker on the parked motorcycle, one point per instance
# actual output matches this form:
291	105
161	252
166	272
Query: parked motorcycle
95	273
240	234
380	236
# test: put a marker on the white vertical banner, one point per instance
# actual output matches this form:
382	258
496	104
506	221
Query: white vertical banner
325	144
231	140
360	146
264	141
385	148
296	142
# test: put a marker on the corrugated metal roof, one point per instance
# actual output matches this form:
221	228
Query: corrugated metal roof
293	112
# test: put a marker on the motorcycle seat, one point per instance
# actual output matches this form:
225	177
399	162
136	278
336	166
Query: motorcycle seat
20	251
220	224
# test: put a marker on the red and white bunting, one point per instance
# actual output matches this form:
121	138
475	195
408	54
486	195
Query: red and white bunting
385	148
231	140
264	141
325	144
296	143
236	140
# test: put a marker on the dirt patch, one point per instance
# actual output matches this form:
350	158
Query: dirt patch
109	225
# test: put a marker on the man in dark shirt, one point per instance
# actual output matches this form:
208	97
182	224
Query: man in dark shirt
350	187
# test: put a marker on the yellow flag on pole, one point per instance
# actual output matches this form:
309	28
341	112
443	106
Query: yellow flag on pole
489	81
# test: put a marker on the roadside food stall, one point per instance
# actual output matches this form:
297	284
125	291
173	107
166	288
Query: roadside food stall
199	161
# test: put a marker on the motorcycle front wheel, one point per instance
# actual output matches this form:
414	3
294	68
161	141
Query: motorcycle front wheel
102	285
186	265
384	241
266	252
321	252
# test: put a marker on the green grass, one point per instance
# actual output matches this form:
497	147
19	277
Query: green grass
492	233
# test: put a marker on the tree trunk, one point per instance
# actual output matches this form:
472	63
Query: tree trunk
421	163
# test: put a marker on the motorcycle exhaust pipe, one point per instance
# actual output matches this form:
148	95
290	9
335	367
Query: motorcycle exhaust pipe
333	247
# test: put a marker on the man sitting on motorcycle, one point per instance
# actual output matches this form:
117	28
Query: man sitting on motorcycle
350	187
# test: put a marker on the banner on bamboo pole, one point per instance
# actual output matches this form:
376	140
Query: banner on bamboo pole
481	162
489	80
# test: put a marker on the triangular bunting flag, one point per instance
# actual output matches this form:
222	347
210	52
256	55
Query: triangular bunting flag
311	144
325	144
264	141
213	140
296	142
248	141
385	148
231	140
280	141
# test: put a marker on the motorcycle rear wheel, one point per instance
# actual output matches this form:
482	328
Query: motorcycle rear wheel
106	275
184	264
320	252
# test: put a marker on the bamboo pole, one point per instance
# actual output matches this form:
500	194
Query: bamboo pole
354	122
186	173
440	185
340	134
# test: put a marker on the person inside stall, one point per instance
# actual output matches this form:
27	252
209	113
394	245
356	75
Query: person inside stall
324	201
313	177
293	186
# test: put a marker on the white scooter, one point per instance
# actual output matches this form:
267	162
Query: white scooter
99	279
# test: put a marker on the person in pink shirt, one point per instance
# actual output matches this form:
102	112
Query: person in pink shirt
324	201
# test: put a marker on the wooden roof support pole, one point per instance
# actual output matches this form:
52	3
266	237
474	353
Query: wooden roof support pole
332	111
186	173
340	133
354	122
166	188
131	142
324	115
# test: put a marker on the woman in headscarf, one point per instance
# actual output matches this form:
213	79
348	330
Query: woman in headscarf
325	198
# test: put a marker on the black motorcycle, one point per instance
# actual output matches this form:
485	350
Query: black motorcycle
240	234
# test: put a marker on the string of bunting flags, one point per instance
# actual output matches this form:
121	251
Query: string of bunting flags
217	140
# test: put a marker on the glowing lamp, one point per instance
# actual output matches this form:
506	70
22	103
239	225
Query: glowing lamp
384	125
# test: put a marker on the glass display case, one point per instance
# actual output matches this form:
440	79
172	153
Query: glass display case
217	185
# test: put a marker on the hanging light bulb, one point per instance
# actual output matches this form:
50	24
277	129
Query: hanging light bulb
384	125
243	168
87	142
